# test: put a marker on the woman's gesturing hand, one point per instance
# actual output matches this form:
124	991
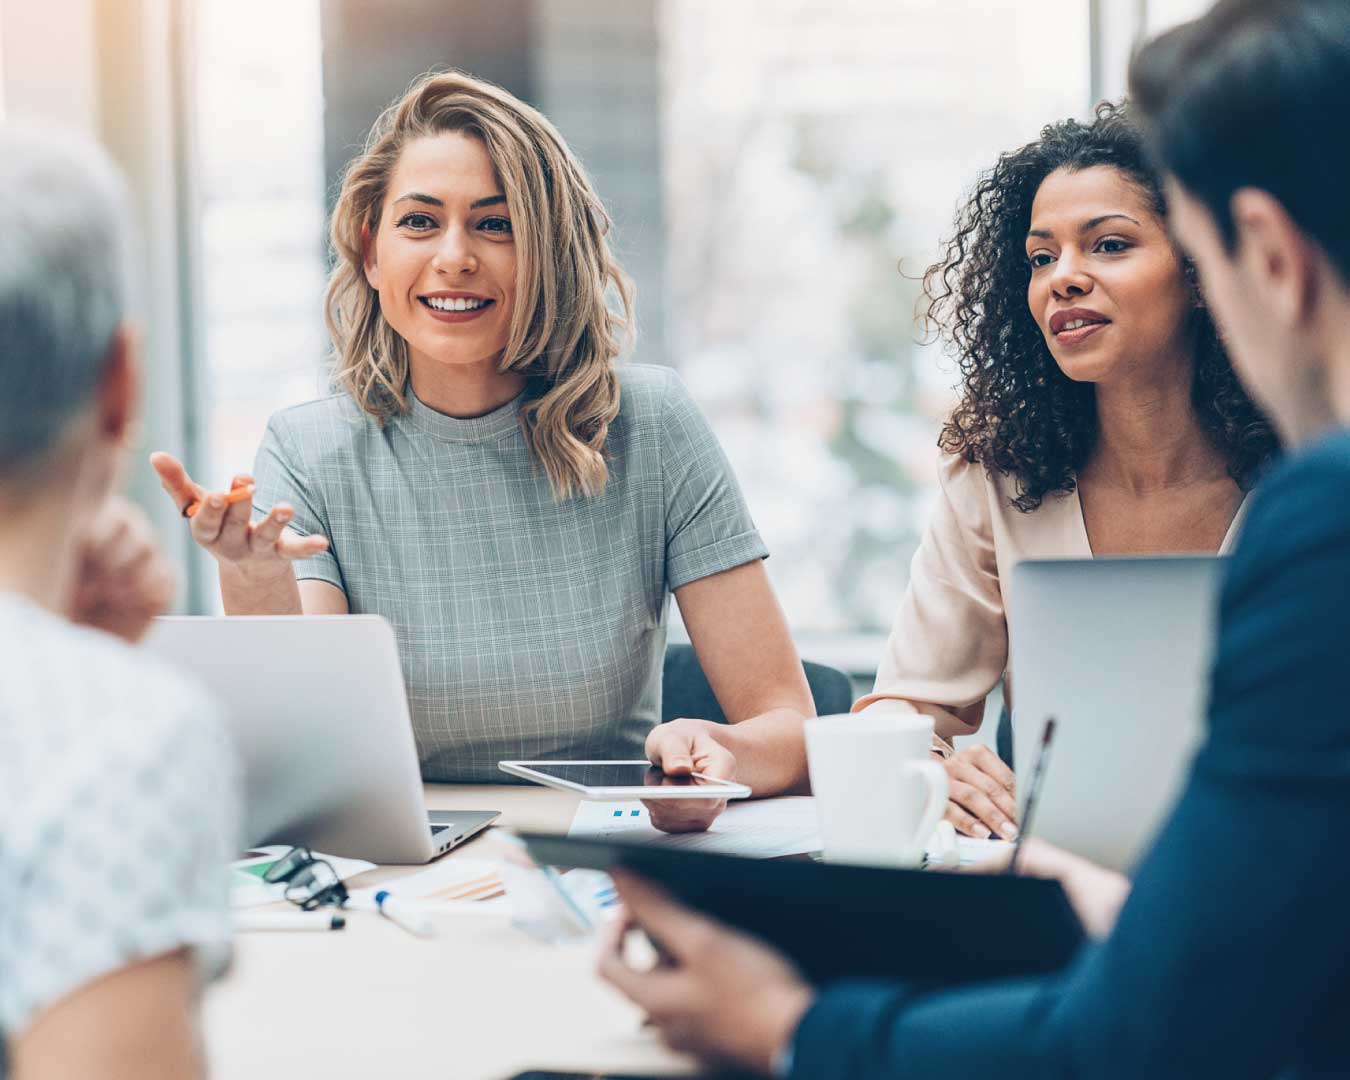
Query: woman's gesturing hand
225	529
981	794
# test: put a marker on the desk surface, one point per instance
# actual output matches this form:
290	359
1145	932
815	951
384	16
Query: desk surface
480	1000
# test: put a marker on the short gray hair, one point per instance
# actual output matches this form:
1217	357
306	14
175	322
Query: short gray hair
64	250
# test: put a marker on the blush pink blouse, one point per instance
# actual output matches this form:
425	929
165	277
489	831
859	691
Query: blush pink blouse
948	645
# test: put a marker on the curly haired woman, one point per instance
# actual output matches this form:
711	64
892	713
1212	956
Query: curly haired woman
488	480
1099	416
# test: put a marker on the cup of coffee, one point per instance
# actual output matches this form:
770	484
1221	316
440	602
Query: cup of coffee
878	790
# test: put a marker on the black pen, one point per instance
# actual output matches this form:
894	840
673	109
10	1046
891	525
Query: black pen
1033	791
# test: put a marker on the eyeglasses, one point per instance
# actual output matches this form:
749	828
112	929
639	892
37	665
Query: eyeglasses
310	882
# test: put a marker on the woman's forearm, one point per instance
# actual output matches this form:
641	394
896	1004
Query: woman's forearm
275	593
770	751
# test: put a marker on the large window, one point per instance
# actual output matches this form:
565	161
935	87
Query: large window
259	143
814	155
1160	15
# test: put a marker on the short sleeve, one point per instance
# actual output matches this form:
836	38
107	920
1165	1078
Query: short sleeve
279	476
122	859
948	645
708	525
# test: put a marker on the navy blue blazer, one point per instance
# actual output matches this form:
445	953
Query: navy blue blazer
1231	957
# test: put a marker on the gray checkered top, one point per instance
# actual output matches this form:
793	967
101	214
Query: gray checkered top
527	628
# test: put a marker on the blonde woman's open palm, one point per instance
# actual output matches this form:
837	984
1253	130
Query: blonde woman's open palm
222	523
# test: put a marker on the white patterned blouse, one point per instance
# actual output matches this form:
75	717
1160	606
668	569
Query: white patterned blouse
118	805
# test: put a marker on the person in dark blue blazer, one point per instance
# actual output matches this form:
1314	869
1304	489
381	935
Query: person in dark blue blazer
1231	954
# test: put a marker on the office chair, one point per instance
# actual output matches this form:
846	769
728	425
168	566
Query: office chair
685	689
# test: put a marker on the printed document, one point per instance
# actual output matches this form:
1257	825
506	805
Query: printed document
763	829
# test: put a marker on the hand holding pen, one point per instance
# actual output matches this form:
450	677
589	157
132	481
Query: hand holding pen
221	522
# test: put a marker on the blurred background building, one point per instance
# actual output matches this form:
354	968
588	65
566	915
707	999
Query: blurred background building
780	173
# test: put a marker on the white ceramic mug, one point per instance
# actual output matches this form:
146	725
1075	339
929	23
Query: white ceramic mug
879	792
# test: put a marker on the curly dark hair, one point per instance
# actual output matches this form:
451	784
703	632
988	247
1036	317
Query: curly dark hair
1019	414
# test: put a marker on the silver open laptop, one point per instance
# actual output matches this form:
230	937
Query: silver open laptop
320	716
1118	651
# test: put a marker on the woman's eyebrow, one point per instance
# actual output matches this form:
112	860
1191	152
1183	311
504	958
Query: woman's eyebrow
431	200
1087	226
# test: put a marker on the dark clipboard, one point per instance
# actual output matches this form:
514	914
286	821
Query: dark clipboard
838	922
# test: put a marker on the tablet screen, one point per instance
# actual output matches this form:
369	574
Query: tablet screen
616	774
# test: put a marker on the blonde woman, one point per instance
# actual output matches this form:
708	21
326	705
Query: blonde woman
489	481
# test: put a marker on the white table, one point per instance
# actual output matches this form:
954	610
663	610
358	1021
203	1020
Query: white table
480	1000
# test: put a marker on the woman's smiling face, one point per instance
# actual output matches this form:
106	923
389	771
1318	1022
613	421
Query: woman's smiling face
1107	288
443	258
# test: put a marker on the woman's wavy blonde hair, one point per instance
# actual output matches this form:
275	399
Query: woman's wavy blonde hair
564	336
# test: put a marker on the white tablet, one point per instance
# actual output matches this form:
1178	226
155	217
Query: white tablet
623	780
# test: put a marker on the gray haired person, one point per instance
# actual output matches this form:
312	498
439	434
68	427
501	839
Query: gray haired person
117	786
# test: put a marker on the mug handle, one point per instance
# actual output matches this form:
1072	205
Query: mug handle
935	777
